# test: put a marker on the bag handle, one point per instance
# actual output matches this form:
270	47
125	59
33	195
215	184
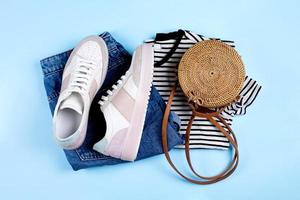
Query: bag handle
207	180
232	166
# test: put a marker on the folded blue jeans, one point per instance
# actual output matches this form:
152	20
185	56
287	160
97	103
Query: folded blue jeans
119	62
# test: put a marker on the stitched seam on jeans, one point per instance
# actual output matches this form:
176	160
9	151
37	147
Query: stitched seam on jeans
117	64
54	95
122	50
51	72
89	158
121	62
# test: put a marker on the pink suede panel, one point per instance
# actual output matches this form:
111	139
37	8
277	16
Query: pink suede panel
65	83
115	147
124	103
137	67
93	89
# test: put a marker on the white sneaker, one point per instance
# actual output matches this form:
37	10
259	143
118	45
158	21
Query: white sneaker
83	75
125	107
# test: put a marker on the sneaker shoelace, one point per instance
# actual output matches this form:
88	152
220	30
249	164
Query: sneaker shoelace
111	92
82	75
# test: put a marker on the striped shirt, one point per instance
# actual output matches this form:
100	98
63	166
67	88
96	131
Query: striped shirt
168	50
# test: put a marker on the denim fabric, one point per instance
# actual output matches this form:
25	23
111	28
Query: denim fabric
119	62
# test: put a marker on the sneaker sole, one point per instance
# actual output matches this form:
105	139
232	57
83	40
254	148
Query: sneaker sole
133	137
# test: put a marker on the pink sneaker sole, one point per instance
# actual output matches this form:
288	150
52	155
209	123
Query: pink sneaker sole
133	136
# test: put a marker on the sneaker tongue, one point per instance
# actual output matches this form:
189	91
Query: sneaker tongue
73	102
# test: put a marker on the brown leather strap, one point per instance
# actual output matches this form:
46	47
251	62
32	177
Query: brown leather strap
230	168
207	180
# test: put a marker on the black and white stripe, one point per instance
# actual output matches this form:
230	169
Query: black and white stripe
203	133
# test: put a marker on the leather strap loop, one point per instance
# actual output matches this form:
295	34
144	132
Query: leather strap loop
230	168
205	180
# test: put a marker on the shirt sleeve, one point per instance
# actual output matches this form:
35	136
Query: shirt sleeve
247	96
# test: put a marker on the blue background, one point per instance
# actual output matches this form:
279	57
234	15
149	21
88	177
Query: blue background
267	33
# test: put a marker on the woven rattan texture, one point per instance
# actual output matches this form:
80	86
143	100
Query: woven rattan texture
211	74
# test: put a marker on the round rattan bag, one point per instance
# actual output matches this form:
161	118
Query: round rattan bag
211	74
